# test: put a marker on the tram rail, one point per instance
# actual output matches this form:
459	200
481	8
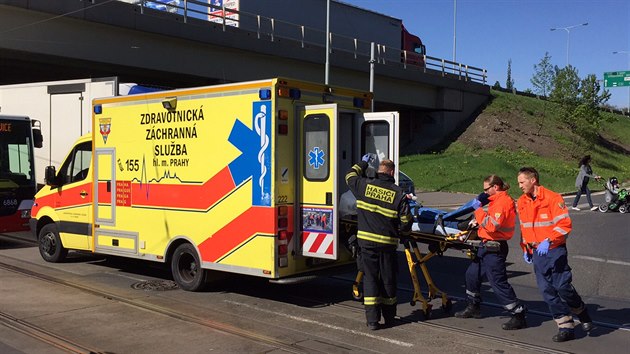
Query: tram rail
55	340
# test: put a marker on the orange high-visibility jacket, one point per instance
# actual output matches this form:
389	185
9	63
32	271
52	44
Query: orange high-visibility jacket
498	223
545	217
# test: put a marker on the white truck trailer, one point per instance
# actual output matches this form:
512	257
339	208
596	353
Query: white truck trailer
64	109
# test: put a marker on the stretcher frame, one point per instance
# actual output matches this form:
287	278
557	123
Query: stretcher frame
466	241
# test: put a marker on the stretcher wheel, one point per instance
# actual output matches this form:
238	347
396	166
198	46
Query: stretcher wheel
623	209
603	207
427	312
448	306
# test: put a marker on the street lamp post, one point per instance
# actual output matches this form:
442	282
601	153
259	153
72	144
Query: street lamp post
568	34
327	66
628	53
454	30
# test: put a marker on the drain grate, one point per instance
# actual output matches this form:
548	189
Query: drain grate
155	285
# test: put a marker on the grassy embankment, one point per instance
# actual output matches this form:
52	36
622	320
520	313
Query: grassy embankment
461	168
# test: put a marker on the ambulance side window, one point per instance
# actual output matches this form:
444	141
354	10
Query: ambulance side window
77	165
316	147
375	138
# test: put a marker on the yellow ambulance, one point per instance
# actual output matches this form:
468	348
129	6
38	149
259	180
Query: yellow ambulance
243	178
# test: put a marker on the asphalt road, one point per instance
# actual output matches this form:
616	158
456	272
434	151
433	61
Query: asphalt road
318	316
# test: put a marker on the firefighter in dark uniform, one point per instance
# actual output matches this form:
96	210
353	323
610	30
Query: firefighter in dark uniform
383	215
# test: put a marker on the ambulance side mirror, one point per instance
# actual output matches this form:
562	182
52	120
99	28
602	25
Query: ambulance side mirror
51	176
38	140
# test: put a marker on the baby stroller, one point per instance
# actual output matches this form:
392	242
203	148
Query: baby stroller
616	198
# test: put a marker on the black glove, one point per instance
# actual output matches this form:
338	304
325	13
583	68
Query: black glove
483	198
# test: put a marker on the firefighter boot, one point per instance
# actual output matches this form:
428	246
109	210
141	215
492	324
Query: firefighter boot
373	326
516	322
471	311
564	335
585	320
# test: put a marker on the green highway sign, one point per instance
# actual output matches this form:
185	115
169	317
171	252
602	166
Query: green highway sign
617	79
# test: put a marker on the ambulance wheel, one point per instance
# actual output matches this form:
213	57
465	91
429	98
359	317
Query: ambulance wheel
623	209
50	246
603	207
186	268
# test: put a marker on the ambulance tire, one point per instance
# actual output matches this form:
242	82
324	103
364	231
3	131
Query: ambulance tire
186	268
50	247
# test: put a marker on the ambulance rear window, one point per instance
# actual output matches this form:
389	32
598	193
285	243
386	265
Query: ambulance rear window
316	147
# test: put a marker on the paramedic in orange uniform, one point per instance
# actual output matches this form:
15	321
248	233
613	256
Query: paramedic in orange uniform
497	224
545	226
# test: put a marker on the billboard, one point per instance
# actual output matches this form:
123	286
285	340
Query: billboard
215	12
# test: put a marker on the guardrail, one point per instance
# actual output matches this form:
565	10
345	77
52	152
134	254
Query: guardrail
267	28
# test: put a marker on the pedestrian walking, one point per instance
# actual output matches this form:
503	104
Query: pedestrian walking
545	226
581	183
382	211
496	224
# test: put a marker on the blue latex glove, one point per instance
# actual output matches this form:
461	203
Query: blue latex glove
543	247
527	257
483	198
476	204
367	158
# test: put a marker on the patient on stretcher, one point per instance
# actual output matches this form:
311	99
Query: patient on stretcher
426	220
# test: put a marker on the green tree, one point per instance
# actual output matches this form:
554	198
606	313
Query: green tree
542	81
587	115
543	76
566	91
579	101
509	83
497	85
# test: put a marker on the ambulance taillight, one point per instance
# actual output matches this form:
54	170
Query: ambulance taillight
283	235
283	127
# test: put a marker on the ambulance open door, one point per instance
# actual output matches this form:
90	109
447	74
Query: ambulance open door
318	189
378	134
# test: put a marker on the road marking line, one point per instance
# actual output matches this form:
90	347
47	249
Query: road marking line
602	260
392	341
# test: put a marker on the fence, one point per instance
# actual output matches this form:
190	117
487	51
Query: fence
271	29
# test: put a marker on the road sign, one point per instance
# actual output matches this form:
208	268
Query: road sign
617	79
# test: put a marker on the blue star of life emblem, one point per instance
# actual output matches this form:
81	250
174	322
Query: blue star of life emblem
316	158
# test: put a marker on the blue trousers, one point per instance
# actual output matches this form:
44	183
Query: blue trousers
554	277
585	190
492	266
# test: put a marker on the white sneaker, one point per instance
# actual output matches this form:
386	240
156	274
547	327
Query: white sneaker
594	208
575	208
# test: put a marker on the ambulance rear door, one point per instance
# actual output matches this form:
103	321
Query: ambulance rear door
378	134
318	187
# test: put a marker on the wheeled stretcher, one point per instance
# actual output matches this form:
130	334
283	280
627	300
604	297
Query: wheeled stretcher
440	230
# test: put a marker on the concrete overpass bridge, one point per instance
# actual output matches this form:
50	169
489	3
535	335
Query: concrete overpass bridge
42	40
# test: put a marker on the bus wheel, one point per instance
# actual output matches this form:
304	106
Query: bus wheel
50	246
186	268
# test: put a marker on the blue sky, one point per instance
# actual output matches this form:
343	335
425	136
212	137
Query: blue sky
490	32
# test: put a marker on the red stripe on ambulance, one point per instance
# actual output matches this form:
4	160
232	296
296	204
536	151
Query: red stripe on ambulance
315	243
253	221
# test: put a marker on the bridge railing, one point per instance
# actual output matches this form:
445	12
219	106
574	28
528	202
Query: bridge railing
271	29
